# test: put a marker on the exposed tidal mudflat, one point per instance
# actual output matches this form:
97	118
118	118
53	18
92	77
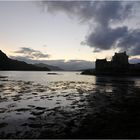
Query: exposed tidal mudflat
68	105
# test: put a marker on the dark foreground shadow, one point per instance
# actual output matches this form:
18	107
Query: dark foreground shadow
118	114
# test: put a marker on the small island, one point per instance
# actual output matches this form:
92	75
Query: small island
119	65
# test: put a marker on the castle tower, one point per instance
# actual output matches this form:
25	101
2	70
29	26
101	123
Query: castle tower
100	64
120	60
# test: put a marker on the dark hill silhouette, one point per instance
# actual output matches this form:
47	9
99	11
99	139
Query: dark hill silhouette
10	64
55	68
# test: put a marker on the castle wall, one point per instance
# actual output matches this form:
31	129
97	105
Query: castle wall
119	62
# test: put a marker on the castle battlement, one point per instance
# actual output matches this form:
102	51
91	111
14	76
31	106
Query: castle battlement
119	62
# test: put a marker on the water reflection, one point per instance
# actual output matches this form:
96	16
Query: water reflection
114	85
115	109
67	108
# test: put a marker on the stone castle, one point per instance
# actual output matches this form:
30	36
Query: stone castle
118	64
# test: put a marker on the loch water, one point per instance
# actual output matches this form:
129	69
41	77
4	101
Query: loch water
56	104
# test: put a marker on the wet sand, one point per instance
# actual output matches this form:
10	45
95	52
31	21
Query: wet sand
105	109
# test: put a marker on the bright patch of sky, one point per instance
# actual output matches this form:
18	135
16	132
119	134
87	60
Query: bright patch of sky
26	24
59	33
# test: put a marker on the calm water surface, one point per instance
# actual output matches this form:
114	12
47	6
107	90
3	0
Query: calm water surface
32	102
44	78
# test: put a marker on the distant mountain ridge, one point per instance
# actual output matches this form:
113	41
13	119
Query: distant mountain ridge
53	68
11	64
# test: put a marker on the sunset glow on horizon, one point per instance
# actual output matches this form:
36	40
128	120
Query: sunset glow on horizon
69	33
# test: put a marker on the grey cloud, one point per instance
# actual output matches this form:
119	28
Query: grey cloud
31	53
130	42
105	38
78	8
66	65
102	11
25	50
101	14
105	12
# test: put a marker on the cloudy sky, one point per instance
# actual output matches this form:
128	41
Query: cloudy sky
71	34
